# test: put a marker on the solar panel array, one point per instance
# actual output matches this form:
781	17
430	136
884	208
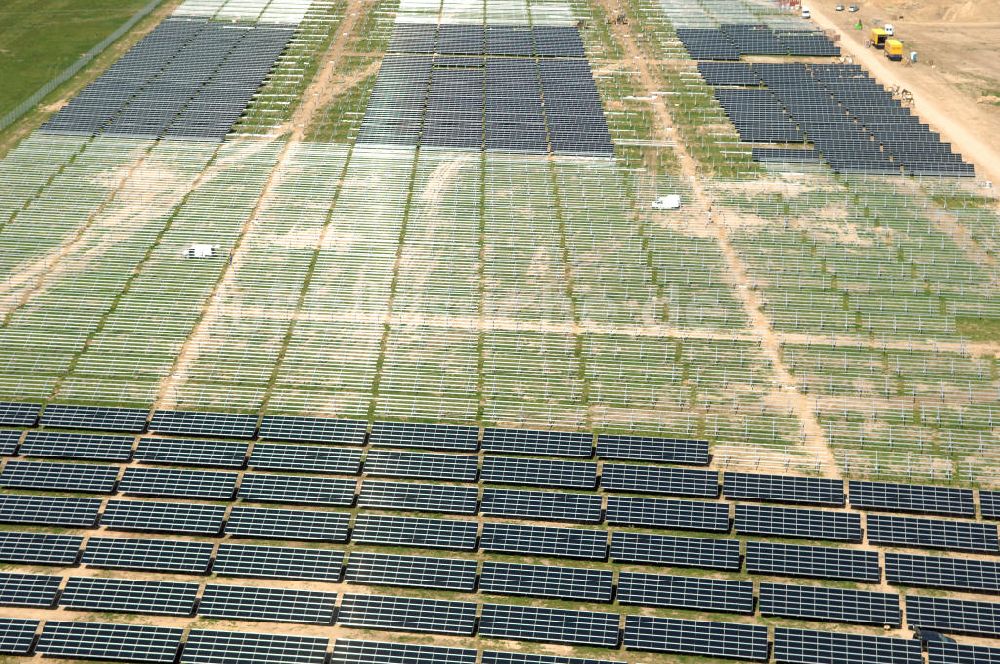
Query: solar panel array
933	533
690	637
953	615
730	41
784	489
834	604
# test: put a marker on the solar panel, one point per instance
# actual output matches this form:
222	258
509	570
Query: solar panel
75	477
213	647
154	555
672	514
130	643
125	420
530	623
267	604
349	651
47	511
183	452
191	423
691	637
278	562
953	615
454	467
39	548
942	652
806	646
313	430
638	448
428	436
540	443
545	541
494	657
784	489
933	533
288	524
835	604
297	489
788	522
542	505
9	440
419	497
593	585
19	414
685	592
412	571
952	573
627	547
17	636
539	472
662	480
77	446
125	595
911	498
34	590
408	531
813	561
309	458
170	483
149	516
411	614
989	504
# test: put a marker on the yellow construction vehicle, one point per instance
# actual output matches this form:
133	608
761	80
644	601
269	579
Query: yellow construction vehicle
878	37
894	49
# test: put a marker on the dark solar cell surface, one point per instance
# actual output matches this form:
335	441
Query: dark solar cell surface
77	446
542	505
153	555
638	448
32	590
527	623
278	562
953	615
13	414
144	515
788	522
539	472
939	572
39	548
268	523
191	423
407	531
267	604
182	452
17	636
215	647
834	604
545	541
411	614
349	651
541	443
784	489
911	498
660	480
129	596
297	489
88	640
689	637
685	592
804	646
126	420
414	571
956	653
812	561
419	497
671	514
306	458
546	581
313	430
46	511
933	533
54	476
676	551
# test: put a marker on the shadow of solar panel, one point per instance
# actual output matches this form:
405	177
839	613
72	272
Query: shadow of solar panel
170	483
408	531
442	437
412	571
541	443
17	637
835	604
684	592
546	581
140	515
313	430
933	533
77	446
956	653
805	646
410	614
129	596
263	488
699	552
39	548
14	414
419	497
288	524
935	572
911	498
545	541
154	555
527	623
278	562
672	514
191	423
542	505
656	479
75	477
348	651
33	590
108	641
812	561
459	468
126	420
787	522
494	657
46	511
953	615
267	604
989	504
638	448
307	458
784	489
177	451
540	472
214	647
690	637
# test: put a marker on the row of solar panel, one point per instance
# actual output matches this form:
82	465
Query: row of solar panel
730	41
146	643
493	40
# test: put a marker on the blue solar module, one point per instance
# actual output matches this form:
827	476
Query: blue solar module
9	439
540	443
671	514
419	497
510	538
627	547
690	637
14	414
153	555
313	430
148	516
297	489
129	643
938	572
125	420
812	561
349	651
542	505
528	623
77	446
267	523
806	646
17	636
192	452
39	548
958	616
214	647
306	458
191	423
45	511
442	437
685	592
942	652
660	480
640	448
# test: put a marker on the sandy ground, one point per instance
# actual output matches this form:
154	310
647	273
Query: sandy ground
956	81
